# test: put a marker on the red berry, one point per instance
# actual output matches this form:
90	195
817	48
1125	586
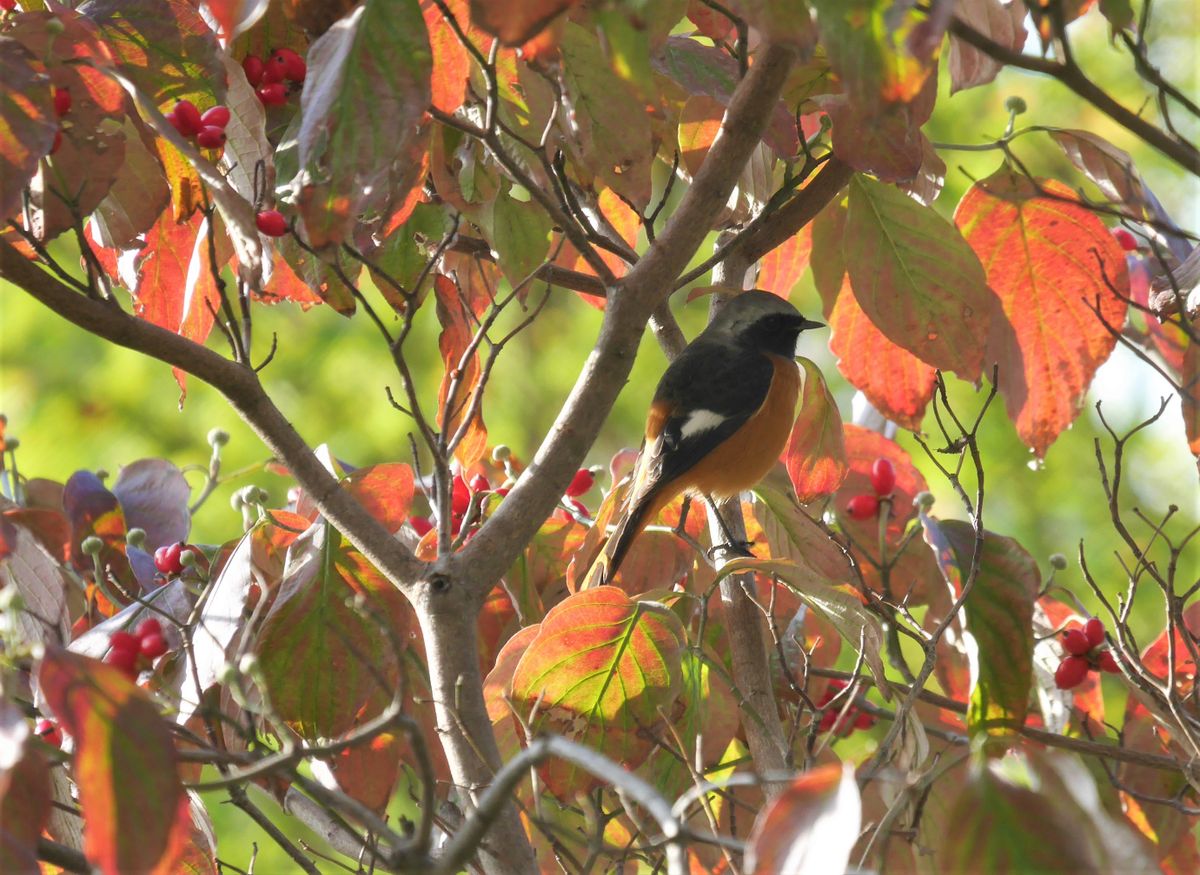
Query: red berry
479	483
272	94
49	732
174	120
1107	662
883	477
1128	242
455	523
1075	642
146	628
154	646
580	483
216	116
124	641
210	137
580	507
57	141
1094	629
503	491
1071	672
421	525
187	118
862	507
294	68
8	5
460	496
253	65
62	101
166	559
271	222
864	720
125	660
272	73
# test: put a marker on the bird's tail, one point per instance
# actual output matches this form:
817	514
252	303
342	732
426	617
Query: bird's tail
636	518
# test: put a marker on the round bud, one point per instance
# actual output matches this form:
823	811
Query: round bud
1016	105
1058	561
187	557
217	437
248	664
923	500
12	443
92	545
136	537
54	26
501	453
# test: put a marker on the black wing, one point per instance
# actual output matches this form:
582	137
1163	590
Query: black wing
721	378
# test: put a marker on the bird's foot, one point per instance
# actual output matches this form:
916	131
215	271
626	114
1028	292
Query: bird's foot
732	548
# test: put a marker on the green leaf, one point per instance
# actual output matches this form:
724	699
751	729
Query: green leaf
328	665
133	802
999	616
916	278
613	128
363	101
598	670
521	232
164	47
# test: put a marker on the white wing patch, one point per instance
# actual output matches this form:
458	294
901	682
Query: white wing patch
699	421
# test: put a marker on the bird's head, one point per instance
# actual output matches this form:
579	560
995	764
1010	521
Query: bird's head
763	321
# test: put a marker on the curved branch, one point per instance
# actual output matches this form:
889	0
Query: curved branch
241	388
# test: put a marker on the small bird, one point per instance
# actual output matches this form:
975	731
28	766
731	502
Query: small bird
721	414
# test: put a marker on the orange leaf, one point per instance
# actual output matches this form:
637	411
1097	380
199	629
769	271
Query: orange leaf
516	21
781	268
132	799
897	383
461	378
386	491
815	455
1048	259
699	124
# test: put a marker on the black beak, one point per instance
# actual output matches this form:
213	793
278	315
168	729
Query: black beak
809	324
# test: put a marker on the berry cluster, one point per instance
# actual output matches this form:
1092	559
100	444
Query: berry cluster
853	718
460	501
883	481
269	77
207	129
170	559
128	650
1084	655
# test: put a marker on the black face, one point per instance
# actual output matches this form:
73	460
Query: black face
777	333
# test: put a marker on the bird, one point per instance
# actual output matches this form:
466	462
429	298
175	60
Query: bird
721	413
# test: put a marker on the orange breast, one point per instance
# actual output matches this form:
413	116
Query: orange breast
740	462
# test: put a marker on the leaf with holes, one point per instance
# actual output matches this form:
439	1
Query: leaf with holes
809	828
133	802
815	455
1050	260
366	92
598	671
999	617
916	278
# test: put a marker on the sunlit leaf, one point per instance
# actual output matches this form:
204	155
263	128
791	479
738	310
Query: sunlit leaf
451	62
366	91
781	268
27	567
124	764
461	378
811	827
794	534
25	800
521	233
236	16
815	455
154	496
138	194
516	21
386	491
699	123
93	510
1049	259
368	772
916	278
598	670
27	122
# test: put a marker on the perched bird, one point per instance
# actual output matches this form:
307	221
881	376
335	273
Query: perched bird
721	414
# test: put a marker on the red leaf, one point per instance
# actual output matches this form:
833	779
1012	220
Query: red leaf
811	827
1156	656
27	123
516	21
708	21
781	268
916	278
1040	253
599	669
451	62
461	378
386	491
368	772
133	803
815	455
236	16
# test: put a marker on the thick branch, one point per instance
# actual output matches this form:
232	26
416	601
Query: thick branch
1071	76
634	298
240	386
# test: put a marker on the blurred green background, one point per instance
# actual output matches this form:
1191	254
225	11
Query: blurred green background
76	402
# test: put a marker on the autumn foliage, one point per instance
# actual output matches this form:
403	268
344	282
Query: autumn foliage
887	681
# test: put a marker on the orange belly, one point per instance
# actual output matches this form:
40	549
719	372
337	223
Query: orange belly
743	460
